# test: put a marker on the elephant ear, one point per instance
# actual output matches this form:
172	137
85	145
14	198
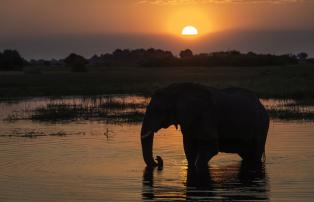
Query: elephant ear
197	117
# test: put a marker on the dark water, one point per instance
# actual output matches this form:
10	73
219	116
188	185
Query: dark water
96	161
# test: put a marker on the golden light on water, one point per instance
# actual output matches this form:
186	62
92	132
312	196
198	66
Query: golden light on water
189	31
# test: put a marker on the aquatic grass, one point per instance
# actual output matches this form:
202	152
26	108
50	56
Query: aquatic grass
14	117
120	108
58	134
58	112
127	109
33	134
75	112
110	110
302	102
71	113
290	114
125	117
114	104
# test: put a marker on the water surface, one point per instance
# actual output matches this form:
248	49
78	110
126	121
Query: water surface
92	160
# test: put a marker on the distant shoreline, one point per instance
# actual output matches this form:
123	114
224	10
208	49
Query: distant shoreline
292	81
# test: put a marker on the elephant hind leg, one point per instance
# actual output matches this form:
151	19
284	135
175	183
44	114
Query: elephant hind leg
253	152
251	156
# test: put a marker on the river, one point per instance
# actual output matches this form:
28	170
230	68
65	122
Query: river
93	160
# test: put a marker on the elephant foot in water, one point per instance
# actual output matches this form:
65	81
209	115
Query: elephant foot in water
198	177
160	163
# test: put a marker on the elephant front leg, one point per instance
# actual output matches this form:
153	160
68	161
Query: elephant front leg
190	149
206	150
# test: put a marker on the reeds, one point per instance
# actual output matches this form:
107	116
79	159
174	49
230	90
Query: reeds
115	109
109	109
290	114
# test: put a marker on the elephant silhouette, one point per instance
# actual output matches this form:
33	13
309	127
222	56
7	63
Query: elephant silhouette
231	120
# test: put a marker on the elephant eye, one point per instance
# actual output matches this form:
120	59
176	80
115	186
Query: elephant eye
159	110
153	110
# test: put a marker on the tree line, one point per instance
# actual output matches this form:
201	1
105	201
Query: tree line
12	60
156	57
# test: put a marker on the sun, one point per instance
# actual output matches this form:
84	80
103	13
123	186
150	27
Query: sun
189	31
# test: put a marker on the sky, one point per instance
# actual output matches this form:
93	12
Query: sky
54	28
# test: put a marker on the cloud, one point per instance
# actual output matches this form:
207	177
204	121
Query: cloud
179	2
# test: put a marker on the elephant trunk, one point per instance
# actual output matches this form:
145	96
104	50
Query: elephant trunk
147	139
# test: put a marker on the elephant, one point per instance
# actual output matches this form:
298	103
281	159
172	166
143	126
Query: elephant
231	120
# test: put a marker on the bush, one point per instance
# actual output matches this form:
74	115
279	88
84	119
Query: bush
11	60
186	53
76	62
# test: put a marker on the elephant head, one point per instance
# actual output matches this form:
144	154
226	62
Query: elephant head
160	113
185	105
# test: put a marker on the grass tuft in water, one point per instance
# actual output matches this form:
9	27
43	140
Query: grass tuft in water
290	114
58	112
59	134
110	110
126	117
121	105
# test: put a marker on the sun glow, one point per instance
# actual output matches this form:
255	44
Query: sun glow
189	31
196	17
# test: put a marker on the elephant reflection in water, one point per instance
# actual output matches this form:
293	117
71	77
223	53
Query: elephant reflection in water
234	182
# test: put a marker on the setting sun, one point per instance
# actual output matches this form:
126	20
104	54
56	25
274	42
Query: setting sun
189	31
93	95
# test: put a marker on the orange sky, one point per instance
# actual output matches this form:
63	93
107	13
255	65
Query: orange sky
52	28
35	17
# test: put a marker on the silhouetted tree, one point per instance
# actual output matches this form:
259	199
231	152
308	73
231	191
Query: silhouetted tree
186	53
156	57
76	62
302	56
11	60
